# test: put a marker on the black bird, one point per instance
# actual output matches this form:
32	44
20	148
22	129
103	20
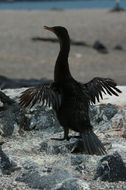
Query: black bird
69	98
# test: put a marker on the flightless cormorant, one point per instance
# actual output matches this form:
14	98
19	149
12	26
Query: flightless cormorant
69	98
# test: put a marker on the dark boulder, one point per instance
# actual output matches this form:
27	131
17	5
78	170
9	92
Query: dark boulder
100	47
111	168
5	99
118	47
7	166
100	112
62	147
74	184
13	119
44	179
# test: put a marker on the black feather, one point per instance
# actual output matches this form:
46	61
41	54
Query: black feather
91	143
44	94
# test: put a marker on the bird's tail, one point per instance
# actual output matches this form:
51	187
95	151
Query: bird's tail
91	143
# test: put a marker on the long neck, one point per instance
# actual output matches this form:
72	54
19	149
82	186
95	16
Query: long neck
62	72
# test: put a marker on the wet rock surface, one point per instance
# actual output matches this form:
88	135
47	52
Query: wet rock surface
30	159
7	83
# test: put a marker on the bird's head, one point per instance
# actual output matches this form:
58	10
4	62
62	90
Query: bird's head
59	31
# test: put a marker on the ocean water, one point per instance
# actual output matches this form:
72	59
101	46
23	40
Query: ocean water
48	5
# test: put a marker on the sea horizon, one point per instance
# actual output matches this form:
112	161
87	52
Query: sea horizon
58	4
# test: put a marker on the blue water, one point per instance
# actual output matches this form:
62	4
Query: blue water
78	4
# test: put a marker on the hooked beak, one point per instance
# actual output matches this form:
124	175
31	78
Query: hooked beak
49	28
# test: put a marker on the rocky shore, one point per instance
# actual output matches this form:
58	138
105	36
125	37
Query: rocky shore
29	159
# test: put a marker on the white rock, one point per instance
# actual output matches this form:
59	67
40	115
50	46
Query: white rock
116	100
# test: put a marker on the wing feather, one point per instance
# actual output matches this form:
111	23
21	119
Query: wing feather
47	94
97	86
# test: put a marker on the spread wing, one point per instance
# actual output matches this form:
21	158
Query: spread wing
47	94
97	86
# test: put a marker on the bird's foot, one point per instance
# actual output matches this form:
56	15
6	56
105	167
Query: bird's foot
61	139
77	137
65	138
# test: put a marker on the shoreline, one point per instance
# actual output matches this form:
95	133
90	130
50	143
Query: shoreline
58	10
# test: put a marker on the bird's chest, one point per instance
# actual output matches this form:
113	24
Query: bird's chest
72	109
